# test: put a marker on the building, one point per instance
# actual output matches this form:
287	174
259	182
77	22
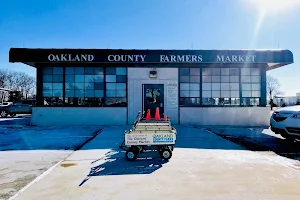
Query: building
287	100
109	86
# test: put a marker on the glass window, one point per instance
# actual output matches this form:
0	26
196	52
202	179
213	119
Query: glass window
47	93
79	86
255	79
194	86
70	78
225	86
57	70
216	86
206	79
234	72
110	78
235	101
79	70
79	78
121	86
57	86
79	93
70	86
185	72
216	93
246	93
57	78
225	71
121	71
246	79
70	93
206	94
111	86
206	86
99	78
47	78
111	71
225	79
206	71
194	93
255	86
47	86
88	78
216	79
89	71
120	93
234	79
195	71
225	93
234	93
255	93
98	71
246	86
216	71
184	79
98	86
57	93
184	86
48	70
99	93
255	71
121	79
89	86
184	93
70	70
195	79
245	71
234	86
89	93
111	93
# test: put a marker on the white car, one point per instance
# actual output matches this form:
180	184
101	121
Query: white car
286	122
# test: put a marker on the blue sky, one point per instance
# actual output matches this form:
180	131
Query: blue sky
152	24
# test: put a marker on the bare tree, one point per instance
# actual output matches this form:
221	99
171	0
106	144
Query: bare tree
18	81
273	87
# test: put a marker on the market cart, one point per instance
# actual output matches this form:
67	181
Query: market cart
149	134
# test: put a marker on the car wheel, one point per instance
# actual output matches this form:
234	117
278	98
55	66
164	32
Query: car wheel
288	137
3	113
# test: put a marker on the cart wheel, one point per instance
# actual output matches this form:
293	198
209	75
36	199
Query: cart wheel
171	148
131	155
166	154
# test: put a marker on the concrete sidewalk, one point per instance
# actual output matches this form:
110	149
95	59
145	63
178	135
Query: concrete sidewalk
203	166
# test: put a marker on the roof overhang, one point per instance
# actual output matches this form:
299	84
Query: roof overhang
271	58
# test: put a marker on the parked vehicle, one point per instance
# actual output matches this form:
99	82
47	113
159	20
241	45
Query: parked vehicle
5	104
18	107
286	122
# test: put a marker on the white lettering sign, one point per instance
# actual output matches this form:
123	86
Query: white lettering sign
126	58
172	96
236	58
181	58
70	58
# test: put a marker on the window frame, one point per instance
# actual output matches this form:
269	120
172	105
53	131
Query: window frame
240	97
84	98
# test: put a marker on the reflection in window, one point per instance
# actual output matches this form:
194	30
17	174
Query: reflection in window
53	85
152	96
190	79
85	86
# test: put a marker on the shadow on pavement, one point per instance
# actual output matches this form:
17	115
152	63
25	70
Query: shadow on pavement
115	164
260	139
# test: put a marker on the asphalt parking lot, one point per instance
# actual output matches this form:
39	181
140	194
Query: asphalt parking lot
27	152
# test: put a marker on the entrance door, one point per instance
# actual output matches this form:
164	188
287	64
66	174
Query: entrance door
153	97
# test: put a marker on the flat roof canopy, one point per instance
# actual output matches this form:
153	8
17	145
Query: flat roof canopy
32	56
